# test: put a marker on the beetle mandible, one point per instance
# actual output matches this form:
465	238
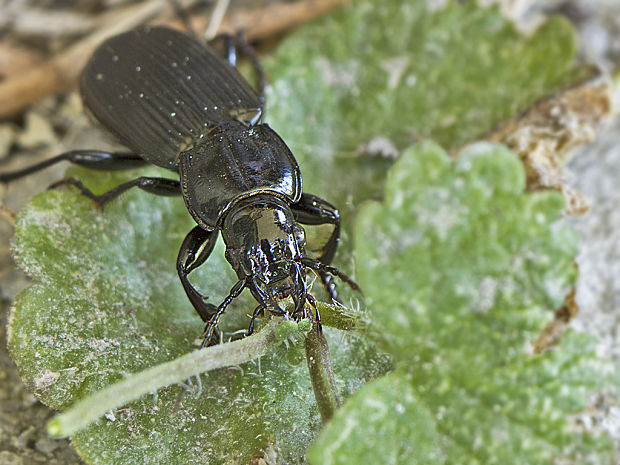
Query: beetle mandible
176	104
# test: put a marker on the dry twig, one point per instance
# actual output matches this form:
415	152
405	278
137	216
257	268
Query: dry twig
61	73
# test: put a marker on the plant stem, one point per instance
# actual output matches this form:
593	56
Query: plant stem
321	374
339	317
233	353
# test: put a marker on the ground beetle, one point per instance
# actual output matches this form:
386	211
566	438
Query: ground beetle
176	104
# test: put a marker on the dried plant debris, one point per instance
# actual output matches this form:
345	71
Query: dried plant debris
554	330
545	136
15	57
67	50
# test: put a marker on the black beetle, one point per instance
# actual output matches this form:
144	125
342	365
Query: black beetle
176	104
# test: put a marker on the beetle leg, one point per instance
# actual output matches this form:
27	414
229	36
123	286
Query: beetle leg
212	325
321	267
195	249
266	300
183	16
257	311
261	78
300	295
157	186
313	210
240	41
93	159
312	302
227	42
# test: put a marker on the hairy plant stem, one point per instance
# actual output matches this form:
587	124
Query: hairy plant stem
321	374
88	410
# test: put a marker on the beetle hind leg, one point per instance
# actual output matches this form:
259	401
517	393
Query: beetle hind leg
157	186
232	43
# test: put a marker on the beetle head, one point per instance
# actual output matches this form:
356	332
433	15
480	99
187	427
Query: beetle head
264	242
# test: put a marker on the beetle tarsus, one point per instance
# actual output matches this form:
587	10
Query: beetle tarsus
317	316
80	186
260	310
330	286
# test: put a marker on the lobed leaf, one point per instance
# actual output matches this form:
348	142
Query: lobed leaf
108	302
462	269
390	73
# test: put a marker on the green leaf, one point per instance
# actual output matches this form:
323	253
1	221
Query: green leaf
461	270
108	302
394	72
392	406
462	237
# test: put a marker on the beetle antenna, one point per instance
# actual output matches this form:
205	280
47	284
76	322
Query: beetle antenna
318	266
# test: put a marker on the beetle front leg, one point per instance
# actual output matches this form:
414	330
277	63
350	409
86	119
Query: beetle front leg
260	310
211	332
317	316
196	248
